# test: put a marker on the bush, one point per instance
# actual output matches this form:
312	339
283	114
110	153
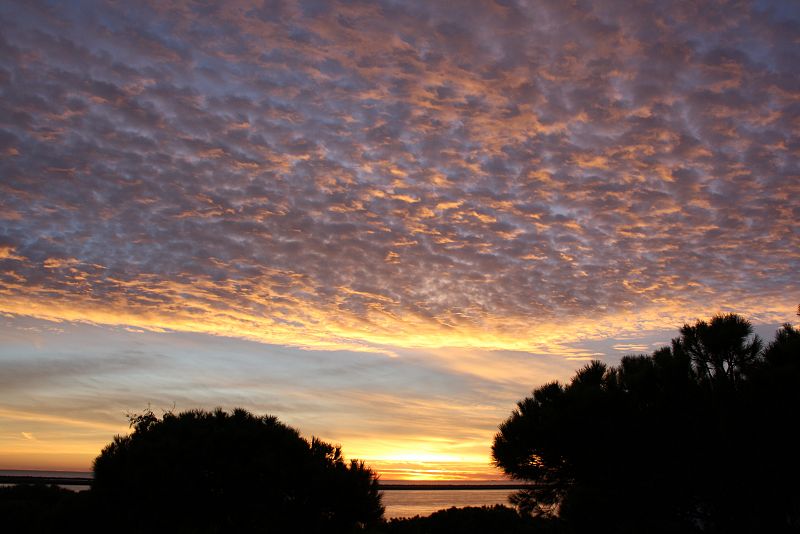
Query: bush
30	508
210	472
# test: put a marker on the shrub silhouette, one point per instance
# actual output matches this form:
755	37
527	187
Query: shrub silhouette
696	436
201	471
36	508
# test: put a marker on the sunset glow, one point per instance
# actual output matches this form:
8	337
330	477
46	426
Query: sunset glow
383	222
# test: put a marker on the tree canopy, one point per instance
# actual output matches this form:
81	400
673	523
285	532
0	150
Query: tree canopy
201	471
696	436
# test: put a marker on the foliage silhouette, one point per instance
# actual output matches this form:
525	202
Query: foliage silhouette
35	508
201	471
698	436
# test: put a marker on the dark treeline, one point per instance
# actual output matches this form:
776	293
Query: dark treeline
699	436
217	472
206	472
696	437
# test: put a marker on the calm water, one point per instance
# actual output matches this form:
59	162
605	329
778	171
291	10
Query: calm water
40	473
408	503
398	503
54	474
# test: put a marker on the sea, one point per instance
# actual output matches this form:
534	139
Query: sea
399	503
422	502
50	474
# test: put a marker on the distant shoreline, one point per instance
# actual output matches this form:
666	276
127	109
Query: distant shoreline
32	479
448	487
87	481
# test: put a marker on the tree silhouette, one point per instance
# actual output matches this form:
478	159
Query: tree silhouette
201	471
696	436
720	350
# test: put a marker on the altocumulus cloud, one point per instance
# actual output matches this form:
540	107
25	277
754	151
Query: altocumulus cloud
368	175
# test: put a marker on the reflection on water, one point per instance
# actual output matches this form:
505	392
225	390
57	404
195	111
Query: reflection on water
408	503
49	474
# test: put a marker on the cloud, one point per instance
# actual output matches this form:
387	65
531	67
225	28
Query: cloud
631	347
360	176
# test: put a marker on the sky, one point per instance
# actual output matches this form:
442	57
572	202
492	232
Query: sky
384	222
